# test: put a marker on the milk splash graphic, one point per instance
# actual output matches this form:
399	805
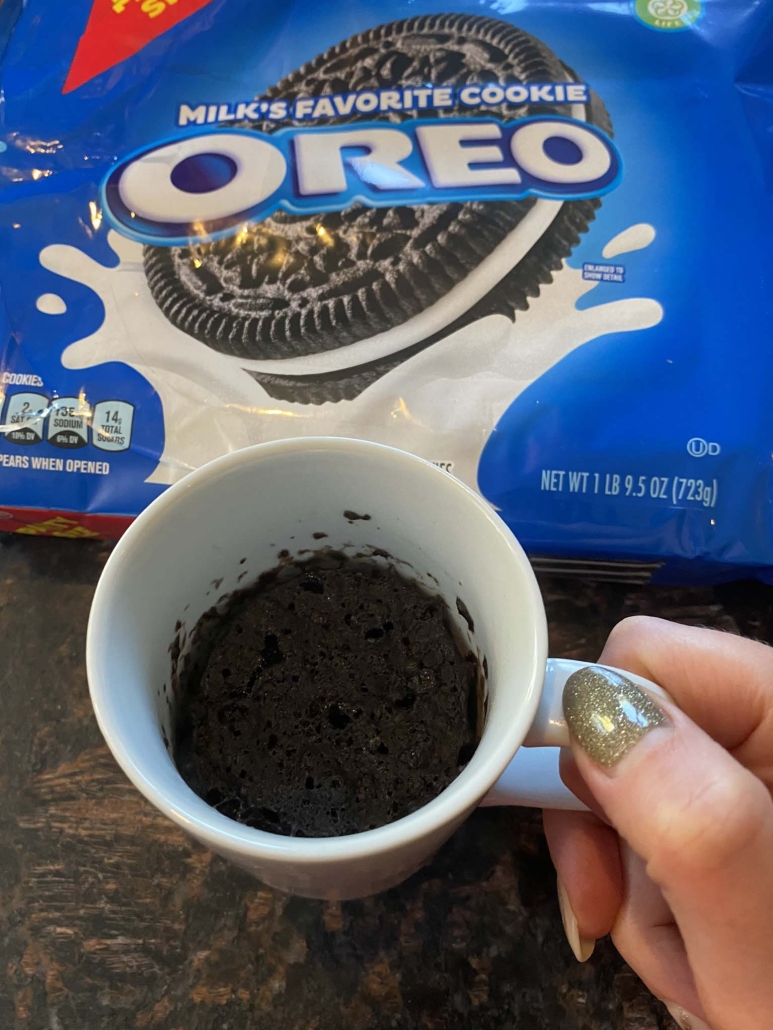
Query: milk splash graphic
441	404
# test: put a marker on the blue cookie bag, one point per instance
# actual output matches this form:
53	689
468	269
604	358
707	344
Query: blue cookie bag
527	241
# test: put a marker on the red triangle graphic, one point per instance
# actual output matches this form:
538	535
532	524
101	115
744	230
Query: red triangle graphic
118	29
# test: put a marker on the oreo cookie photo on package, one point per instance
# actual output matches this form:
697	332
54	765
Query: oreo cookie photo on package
391	280
488	234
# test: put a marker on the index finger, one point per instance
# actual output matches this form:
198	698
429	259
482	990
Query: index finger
724	683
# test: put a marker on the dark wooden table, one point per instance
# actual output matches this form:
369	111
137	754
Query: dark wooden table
111	918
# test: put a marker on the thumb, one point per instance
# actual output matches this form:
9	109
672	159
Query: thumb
701	822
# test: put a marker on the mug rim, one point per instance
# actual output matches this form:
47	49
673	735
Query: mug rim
218	831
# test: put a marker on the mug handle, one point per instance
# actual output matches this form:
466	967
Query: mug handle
532	777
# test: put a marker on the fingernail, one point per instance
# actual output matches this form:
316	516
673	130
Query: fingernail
608	714
581	946
683	1019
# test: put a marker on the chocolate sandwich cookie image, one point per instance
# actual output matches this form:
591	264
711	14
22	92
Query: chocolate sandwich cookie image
318	307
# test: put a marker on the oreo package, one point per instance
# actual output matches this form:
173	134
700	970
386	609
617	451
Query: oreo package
528	241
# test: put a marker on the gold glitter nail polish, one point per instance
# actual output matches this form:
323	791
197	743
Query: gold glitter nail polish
608	714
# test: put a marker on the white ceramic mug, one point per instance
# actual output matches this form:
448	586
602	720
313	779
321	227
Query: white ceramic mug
193	545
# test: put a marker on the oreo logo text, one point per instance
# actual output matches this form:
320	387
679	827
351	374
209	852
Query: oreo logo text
208	185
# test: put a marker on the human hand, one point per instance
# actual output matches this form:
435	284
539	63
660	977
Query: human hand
675	859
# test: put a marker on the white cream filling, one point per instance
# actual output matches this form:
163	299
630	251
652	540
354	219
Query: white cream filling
437	316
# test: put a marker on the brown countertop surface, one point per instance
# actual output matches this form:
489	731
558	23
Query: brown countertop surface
111	918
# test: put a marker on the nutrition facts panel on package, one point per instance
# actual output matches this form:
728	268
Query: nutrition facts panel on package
68	422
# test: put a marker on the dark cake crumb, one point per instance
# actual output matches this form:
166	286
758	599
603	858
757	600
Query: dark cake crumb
334	699
461	607
352	516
